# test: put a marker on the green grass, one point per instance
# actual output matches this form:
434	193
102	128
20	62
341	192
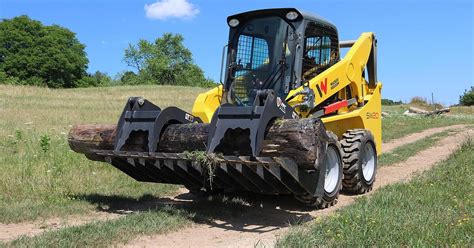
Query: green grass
398	125
154	217
434	209
106	233
402	153
469	110
42	178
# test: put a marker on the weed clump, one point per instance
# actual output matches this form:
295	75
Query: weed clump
209	161
45	142
18	134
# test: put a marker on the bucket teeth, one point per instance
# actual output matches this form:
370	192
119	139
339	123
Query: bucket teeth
262	175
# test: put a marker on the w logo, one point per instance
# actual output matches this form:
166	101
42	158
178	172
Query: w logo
323	87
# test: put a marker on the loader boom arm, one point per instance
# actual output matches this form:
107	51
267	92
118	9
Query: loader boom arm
347	72
344	81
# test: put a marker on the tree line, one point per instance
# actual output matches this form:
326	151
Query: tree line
51	56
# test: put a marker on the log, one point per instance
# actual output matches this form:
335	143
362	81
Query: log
417	110
412	111
440	111
84	138
296	139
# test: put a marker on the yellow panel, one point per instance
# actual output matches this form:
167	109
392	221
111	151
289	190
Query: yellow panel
367	117
206	104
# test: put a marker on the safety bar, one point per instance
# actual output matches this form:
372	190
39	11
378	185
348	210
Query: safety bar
347	43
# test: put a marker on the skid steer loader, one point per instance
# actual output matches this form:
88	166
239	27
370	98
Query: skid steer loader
280	66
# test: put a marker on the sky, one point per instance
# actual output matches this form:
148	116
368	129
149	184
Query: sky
424	46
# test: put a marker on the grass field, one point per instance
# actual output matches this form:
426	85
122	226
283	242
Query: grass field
162	219
42	178
398	125
433	210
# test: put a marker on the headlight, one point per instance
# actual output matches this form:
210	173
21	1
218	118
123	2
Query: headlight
292	15
233	23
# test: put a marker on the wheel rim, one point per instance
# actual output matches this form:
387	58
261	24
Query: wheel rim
332	170
368	165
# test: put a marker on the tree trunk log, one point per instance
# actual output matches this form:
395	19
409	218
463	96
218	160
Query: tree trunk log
302	140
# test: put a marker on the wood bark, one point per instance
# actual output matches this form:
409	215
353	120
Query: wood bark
412	111
301	140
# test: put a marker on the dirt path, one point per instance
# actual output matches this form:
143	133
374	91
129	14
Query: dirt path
393	144
258	223
9	232
262	226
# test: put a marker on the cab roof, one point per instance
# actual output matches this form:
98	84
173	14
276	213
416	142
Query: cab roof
282	13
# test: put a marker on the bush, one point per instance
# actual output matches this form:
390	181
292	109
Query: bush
467	99
129	78
418	100
422	102
208	83
390	102
94	80
187	79
86	81
5	79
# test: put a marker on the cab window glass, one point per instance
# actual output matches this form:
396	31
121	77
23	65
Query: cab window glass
321	49
252	52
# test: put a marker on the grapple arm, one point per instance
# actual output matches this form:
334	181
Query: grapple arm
142	119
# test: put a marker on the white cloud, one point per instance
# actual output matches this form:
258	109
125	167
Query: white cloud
165	9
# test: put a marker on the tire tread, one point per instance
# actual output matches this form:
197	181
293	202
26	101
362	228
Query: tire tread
351	146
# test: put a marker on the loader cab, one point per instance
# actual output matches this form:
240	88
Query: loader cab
321	49
276	49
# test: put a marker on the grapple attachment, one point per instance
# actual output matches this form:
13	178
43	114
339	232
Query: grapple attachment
143	119
242	167
262	175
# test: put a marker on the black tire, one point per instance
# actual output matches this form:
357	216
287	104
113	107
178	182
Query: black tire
329	198
354	148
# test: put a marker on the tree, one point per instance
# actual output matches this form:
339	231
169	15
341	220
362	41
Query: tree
128	77
136	55
43	55
94	80
390	102
467	99
165	61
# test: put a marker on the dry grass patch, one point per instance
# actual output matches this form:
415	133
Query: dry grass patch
41	176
